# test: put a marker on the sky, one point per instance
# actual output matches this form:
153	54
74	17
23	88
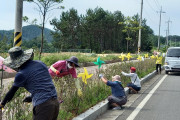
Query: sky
151	12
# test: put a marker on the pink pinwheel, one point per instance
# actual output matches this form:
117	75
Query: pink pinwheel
5	68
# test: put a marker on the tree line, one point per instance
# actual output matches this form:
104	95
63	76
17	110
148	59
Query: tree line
100	30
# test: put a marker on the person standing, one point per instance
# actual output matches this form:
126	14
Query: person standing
158	62
118	97
35	78
135	84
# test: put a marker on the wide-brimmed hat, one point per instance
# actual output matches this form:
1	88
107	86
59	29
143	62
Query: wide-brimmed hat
74	60
116	77
17	57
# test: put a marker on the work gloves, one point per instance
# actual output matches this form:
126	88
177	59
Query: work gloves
101	75
57	72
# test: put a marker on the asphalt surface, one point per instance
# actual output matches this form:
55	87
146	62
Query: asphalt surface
163	103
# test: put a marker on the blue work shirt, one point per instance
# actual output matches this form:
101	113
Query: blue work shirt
116	89
35	78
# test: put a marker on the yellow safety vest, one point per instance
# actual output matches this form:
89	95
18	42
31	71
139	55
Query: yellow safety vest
159	59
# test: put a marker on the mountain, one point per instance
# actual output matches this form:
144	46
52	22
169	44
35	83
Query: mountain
28	33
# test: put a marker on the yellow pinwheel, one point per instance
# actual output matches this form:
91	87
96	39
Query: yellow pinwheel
122	56
139	58
85	76
146	55
153	57
128	56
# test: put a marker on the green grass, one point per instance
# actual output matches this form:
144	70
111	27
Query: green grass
49	59
93	92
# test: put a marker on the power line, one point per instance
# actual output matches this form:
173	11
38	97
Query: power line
149	17
156	4
151	6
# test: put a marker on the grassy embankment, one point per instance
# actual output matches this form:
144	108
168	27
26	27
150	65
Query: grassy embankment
93	92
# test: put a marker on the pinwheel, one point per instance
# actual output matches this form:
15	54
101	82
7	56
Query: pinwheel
122	57
85	76
128	56
139	58
146	55
153	57
99	62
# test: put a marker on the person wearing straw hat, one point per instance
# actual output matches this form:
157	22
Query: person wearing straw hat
118	97
35	78
64	67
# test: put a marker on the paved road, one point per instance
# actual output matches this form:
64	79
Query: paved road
159	99
165	102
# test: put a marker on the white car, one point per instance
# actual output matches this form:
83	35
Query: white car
172	60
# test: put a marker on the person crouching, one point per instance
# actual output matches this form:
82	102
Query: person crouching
135	84
118	97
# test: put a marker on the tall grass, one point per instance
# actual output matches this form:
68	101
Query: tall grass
49	59
93	92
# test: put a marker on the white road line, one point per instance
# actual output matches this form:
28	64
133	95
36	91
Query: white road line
141	105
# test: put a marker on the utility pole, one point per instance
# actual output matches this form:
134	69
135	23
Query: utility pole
168	32
18	23
166	38
139	39
159	28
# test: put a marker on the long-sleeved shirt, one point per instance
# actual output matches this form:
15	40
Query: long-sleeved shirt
134	78
116	88
61	66
34	77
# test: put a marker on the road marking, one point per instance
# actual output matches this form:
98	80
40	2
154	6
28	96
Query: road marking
141	105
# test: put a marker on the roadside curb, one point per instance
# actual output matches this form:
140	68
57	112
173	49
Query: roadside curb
97	110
